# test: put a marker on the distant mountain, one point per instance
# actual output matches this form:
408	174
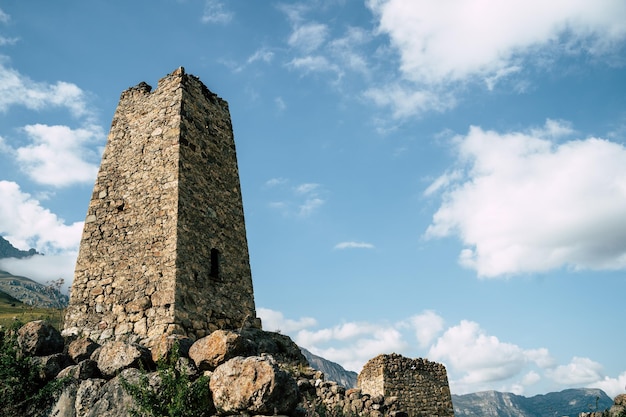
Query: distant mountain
30	292
9	251
332	371
570	403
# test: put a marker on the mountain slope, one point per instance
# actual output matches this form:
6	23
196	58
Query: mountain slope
30	292
332	371
9	251
569	402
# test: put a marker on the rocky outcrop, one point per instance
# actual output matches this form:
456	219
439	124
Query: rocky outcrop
246	372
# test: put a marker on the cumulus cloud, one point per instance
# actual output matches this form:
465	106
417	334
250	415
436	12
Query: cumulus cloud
445	45
216	12
579	371
482	359
612	386
526	203
275	321
17	89
354	245
474	359
25	223
360	342
60	156
427	326
450	41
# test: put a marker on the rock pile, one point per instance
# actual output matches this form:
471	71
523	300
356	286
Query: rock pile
250	372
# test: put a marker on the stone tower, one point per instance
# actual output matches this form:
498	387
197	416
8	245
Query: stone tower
421	386
164	247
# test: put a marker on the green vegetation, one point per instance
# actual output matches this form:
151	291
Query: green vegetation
21	388
13	310
174	394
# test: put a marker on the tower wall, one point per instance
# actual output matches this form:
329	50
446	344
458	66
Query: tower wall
421	386
164	247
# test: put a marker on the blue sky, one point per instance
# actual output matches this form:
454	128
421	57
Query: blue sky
440	179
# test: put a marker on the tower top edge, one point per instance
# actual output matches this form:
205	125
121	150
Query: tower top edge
177	78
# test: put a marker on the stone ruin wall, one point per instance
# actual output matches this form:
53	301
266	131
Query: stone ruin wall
421	386
164	248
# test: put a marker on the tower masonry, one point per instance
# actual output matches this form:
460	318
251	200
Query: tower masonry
164	248
421	386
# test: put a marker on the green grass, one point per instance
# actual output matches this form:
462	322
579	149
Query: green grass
12	310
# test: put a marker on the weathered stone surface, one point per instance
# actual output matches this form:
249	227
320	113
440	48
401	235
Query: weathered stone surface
164	248
38	338
81	349
253	385
216	348
84	370
164	345
117	356
421	386
50	365
281	347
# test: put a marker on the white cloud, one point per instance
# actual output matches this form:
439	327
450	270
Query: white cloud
42	268
307	188
4	18
481	359
280	103
275	321
59	155
25	223
359	342
261	55
215	12
309	206
453	41
442	46
428	326
308	37
612	386
304	199
313	63
526	204
273	182
408	100
580	371
354	245
16	89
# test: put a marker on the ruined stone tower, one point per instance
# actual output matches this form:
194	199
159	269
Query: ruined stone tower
164	247
421	386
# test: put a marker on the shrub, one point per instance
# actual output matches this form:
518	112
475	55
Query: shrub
21	388
175	394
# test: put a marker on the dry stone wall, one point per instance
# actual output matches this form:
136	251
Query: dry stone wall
420	386
164	247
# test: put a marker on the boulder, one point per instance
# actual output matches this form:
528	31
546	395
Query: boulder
254	385
81	349
84	370
216	348
116	356
39	338
49	366
108	400
163	346
281	347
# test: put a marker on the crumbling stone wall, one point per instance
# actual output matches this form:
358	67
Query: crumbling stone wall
164	247
420	386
